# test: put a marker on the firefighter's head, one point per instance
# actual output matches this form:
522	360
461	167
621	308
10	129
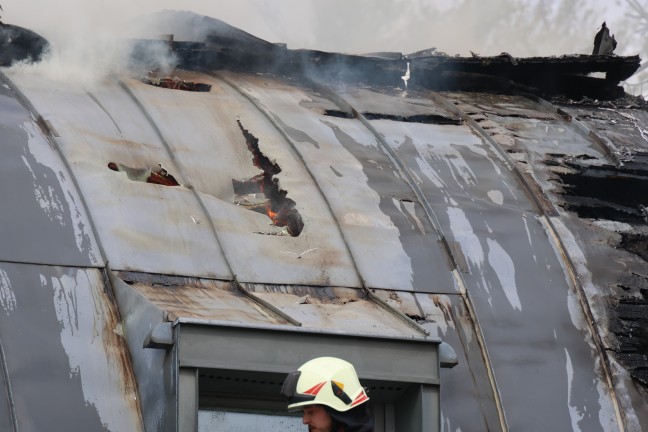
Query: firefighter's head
325	381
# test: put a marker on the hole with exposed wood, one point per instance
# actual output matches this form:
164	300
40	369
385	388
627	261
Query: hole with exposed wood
262	193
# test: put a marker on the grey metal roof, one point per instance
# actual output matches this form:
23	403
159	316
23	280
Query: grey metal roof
422	211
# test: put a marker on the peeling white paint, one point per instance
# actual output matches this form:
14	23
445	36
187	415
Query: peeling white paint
45	196
496	196
574	415
606	414
584	276
504	268
438	312
470	244
528	232
464	235
368	220
47	199
83	317
411	209
430	173
7	296
445	425
461	172
623	385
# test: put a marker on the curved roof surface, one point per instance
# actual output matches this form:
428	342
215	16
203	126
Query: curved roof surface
452	208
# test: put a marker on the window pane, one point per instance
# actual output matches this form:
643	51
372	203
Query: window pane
228	421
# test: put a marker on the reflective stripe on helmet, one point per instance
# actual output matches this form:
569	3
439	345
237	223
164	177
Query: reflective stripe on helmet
310	385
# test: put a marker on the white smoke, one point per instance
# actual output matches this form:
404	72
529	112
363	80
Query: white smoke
87	34
521	27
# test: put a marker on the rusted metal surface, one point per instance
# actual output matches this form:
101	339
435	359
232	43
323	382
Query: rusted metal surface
151	366
40	204
64	351
333	309
199	298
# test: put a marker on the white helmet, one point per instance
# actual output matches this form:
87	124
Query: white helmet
325	381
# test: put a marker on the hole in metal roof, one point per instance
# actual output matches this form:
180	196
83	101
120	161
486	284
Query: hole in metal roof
603	192
158	176
175	83
416	118
262	193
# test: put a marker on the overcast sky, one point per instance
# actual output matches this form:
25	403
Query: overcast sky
487	26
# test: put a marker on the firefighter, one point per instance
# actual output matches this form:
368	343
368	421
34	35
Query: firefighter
328	391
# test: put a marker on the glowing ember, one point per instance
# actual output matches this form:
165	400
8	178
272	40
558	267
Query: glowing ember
280	209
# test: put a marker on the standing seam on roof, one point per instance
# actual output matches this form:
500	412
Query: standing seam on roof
564	254
49	135
342	104
5	373
262	303
171	155
366	290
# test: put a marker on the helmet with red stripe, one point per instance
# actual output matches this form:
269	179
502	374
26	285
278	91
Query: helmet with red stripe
324	381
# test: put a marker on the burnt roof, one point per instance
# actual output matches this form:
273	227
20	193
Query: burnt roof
493	219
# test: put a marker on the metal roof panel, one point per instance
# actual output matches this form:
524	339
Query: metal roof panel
333	309
362	186
203	133
203	299
63	352
40	203
142	226
538	307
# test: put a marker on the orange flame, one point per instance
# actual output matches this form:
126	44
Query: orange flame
272	215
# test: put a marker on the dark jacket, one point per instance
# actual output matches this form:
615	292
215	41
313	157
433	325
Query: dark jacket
358	419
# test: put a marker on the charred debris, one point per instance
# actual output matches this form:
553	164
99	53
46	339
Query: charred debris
273	201
18	44
566	76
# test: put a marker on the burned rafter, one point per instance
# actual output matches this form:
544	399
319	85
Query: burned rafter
629	323
262	193
546	76
602	192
